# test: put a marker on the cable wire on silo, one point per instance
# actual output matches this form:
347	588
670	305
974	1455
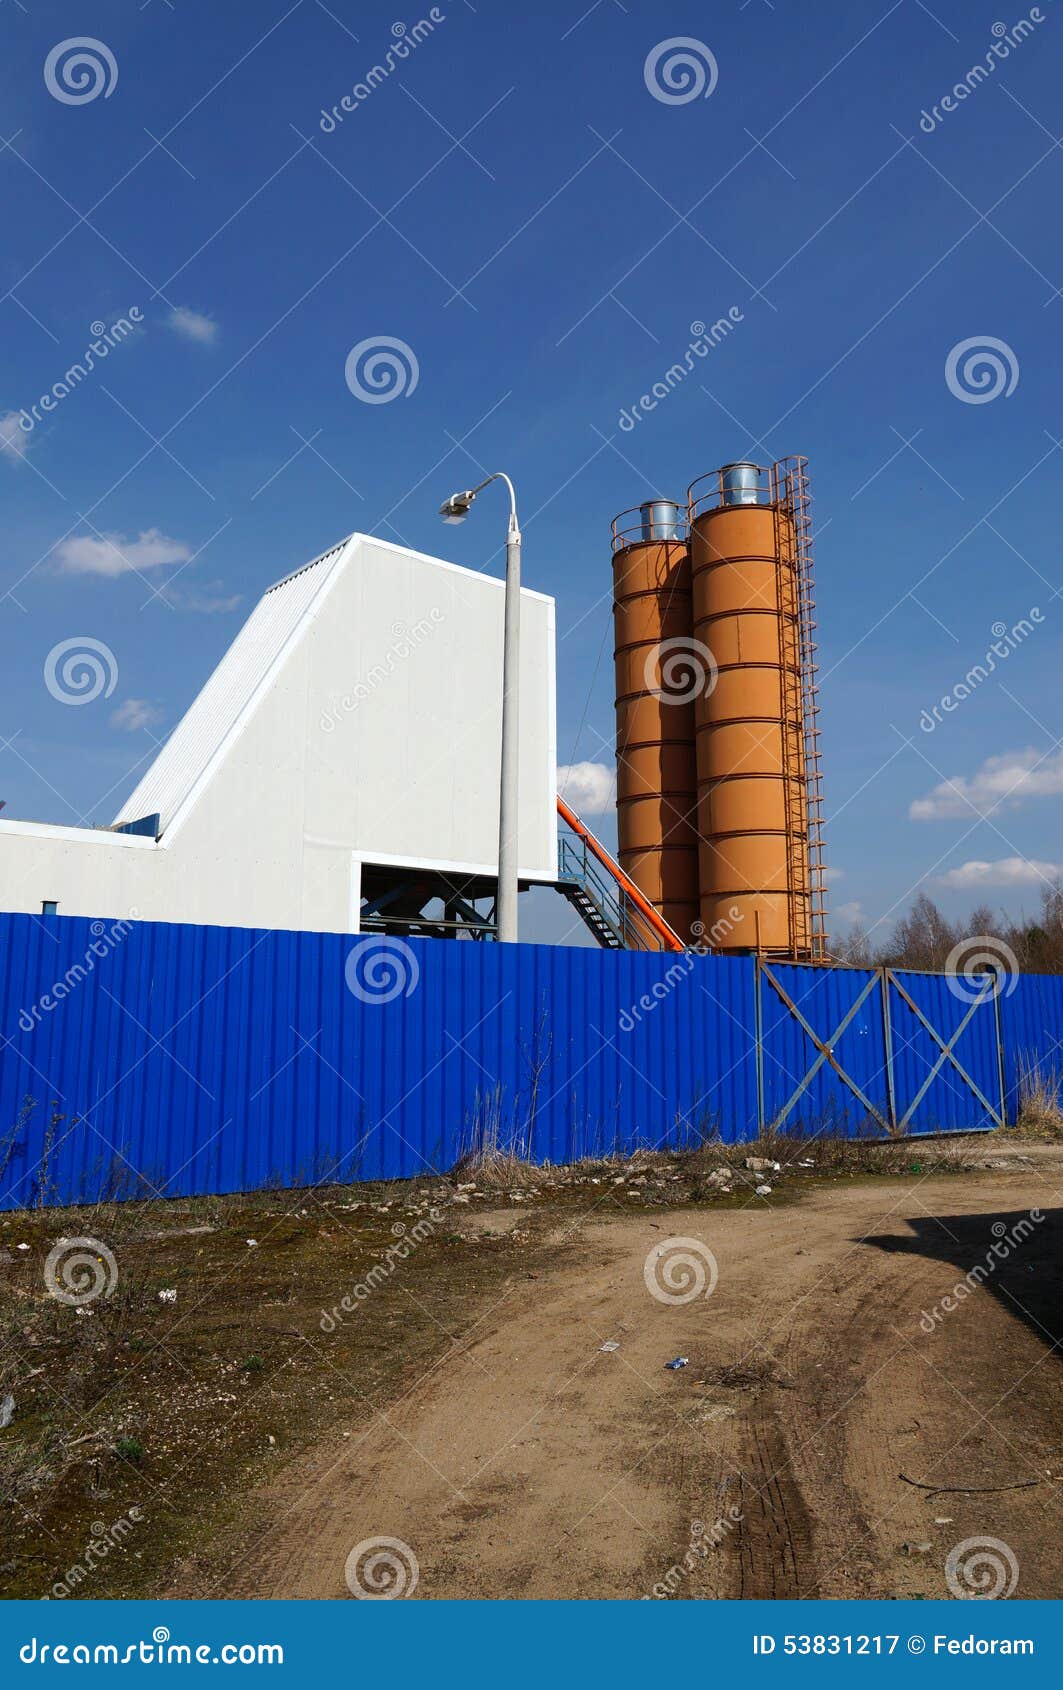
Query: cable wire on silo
590	694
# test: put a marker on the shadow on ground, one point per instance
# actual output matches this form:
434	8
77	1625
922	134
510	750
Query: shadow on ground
1016	1255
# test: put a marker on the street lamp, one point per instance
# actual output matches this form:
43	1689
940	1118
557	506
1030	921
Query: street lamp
457	509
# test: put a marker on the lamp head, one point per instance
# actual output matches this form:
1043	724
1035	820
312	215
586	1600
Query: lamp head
456	508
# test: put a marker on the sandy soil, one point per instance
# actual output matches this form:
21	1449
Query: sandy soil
528	1462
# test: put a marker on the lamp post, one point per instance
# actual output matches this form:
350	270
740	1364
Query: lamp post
456	509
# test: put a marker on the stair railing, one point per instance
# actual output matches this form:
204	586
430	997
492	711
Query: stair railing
583	859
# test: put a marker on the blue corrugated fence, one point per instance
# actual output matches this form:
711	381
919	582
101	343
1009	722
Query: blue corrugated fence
149	1058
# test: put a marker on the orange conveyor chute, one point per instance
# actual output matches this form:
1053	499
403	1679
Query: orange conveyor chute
670	941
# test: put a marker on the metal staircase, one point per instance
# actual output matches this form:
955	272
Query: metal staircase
586	891
608	903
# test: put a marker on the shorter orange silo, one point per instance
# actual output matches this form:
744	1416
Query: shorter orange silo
655	688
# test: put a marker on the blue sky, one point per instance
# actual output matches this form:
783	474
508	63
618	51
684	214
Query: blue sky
540	229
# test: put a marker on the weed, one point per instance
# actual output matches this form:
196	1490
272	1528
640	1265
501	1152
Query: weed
9	1142
488	1157
827	1154
42	1179
1040	1098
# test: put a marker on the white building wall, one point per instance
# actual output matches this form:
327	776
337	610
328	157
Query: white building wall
375	736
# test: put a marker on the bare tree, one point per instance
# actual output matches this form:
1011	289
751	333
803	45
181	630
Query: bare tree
925	938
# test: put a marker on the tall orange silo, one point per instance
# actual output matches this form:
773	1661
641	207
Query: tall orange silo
656	781
760	874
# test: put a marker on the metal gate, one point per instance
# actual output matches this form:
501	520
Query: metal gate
883	1051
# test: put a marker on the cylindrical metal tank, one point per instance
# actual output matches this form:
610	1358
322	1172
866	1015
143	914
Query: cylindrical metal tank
753	816
656	783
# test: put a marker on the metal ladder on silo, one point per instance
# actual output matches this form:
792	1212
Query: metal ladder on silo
799	709
801	511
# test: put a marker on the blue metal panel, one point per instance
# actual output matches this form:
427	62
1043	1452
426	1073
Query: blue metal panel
144	826
795	1098
953	1100
152	1058
175	1059
1031	1018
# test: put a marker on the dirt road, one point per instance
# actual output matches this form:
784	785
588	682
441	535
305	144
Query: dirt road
532	1463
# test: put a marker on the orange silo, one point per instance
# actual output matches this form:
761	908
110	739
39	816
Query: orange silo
655	686
757	759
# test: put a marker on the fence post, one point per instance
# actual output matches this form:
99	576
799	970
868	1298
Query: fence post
887	1039
1000	1058
759	1038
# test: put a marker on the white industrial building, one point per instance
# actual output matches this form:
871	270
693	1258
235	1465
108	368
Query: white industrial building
340	765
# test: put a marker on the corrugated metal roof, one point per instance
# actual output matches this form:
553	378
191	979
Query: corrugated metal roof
245	668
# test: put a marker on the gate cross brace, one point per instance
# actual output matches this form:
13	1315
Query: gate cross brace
947	1052
826	1052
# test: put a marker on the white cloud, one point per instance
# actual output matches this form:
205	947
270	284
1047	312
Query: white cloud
1009	778
1006	871
134	714
590	788
193	325
14	440
852	912
211	601
113	554
830	875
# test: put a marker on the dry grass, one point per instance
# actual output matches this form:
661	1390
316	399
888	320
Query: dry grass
215	1386
1040	1100
827	1154
494	1158
177	1407
494	1168
491	1163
